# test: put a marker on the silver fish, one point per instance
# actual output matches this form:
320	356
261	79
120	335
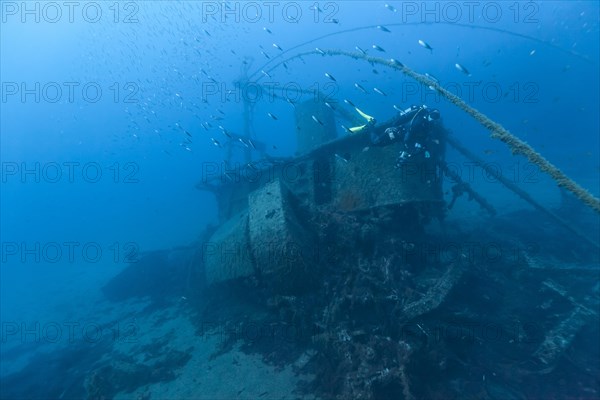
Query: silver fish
272	116
433	78
359	87
340	158
383	28
317	120
390	7
277	47
378	48
462	69
361	50
226	133
426	45
379	92
330	77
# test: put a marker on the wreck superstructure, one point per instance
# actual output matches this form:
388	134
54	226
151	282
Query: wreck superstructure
266	208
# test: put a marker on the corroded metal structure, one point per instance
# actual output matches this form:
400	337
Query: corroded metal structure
265	208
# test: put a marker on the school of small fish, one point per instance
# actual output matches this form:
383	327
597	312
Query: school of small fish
198	59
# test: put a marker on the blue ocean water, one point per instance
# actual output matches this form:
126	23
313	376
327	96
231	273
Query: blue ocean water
110	112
